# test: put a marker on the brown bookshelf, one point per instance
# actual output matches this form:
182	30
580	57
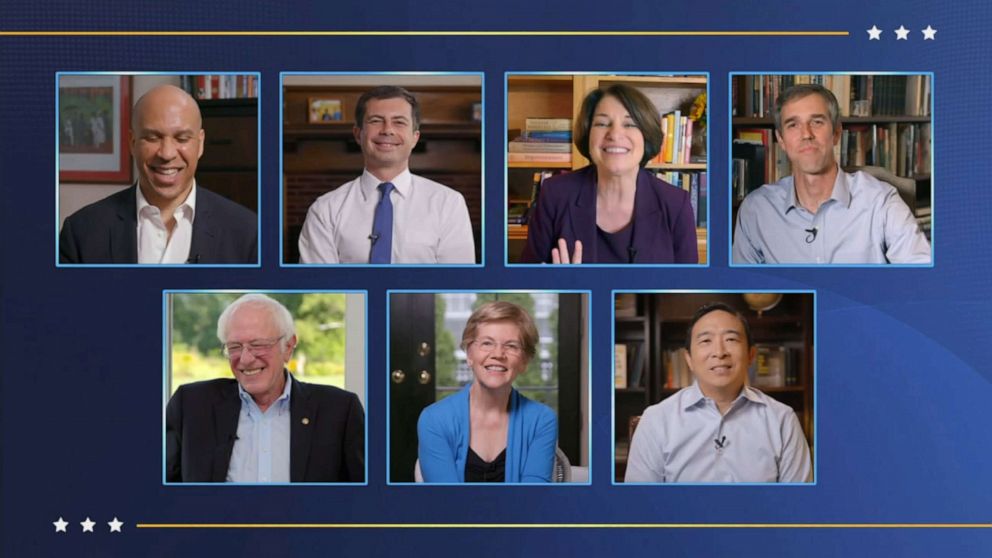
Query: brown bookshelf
229	165
662	321
560	96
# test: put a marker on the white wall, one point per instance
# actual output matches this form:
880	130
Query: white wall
355	345
75	196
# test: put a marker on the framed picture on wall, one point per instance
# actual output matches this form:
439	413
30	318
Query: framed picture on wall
94	113
325	111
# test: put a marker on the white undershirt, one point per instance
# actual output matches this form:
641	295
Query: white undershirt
155	244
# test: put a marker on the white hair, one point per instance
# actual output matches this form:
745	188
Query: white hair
281	317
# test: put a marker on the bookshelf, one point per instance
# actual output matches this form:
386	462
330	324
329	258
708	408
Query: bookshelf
659	321
559	96
885	122
229	165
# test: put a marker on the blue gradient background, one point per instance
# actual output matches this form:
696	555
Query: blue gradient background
904	377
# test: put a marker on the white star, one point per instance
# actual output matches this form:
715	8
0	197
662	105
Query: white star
928	33
115	525
902	34
87	525
874	34
60	525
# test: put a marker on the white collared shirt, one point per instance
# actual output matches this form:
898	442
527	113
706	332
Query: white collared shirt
155	244
430	223
686	439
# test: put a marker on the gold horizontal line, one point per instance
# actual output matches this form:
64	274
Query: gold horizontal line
423	33
564	525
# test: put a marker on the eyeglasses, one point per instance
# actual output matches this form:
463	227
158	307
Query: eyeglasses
256	347
511	348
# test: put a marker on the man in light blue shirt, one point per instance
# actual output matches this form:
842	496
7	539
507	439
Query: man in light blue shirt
719	430
821	215
261	448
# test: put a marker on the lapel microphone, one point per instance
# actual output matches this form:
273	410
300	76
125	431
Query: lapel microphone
811	235
720	442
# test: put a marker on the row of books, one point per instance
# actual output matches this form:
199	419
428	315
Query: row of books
543	140
775	366
676	147
903	149
629	365
696	184
215	86
857	95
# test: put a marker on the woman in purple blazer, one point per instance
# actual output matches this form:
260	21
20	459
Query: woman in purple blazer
613	211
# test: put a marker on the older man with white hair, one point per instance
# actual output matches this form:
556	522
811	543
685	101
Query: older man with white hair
263	426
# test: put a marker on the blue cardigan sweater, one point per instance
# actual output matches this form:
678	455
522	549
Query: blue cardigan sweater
443	431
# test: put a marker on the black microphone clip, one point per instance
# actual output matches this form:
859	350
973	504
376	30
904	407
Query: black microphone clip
720	442
811	235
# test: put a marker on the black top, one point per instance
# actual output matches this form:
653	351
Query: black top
614	247
477	470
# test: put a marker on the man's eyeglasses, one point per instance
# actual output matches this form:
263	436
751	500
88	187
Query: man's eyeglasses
511	348
256	347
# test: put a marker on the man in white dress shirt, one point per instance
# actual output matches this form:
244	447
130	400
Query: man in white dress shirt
719	429
388	215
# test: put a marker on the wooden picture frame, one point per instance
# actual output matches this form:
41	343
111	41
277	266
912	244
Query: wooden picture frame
92	128
323	110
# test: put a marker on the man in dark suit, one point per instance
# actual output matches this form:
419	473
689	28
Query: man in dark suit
166	218
264	426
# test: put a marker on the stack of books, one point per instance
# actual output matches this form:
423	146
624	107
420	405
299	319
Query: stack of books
544	140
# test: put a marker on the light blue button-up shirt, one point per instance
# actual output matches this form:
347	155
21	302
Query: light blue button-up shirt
261	450
864	222
760	440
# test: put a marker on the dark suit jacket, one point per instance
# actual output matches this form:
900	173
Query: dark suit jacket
327	433
664	226
107	231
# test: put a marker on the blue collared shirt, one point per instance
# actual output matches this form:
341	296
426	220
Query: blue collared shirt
261	450
676	441
863	222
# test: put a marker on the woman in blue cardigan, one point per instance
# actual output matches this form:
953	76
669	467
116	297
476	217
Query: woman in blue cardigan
488	432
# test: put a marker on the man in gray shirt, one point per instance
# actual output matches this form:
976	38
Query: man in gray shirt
820	214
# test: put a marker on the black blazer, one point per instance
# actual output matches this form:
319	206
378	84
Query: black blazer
107	231
326	440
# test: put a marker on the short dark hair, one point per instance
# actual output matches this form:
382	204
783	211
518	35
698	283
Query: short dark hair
803	90
387	92
641	109
713	307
